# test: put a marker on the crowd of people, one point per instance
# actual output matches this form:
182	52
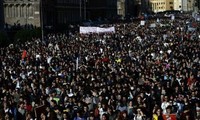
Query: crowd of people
140	72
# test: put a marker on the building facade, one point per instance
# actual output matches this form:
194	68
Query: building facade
161	5
59	12
177	4
22	12
169	5
165	5
121	8
186	5
126	8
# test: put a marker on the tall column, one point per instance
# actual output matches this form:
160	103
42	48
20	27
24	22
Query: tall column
7	10
12	11
21	10
18	9
16	15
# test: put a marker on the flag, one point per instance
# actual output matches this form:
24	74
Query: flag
169	117
24	53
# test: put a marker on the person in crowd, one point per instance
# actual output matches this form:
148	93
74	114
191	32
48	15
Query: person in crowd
157	114
139	115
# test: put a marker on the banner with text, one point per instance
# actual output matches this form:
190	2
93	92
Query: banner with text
86	30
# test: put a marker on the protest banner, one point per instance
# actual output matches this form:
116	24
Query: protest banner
87	30
105	30
153	25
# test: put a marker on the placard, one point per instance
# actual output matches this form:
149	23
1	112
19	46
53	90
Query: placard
142	22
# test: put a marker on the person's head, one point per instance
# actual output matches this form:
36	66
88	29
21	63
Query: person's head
21	99
158	111
78	114
142	94
130	103
99	105
166	98
100	97
42	116
139	111
110	109
185	99
85	108
21	105
139	99
65	116
48	109
169	109
104	117
53	103
91	115
28	115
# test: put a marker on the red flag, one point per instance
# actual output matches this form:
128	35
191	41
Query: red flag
24	54
169	117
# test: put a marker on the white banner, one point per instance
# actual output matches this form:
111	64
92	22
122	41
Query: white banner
85	30
172	17
153	25
105	30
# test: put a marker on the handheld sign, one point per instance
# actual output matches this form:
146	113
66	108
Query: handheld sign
142	23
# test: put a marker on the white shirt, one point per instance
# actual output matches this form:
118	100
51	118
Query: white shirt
164	105
138	117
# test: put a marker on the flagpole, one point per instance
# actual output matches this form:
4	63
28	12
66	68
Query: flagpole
77	63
